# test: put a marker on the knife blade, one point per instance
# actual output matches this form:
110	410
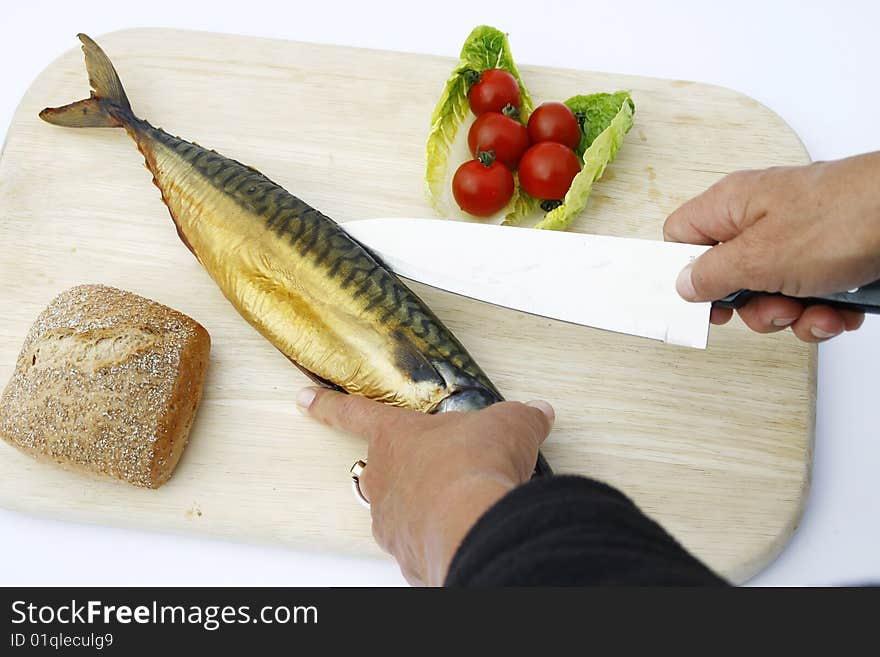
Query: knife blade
617	284
614	283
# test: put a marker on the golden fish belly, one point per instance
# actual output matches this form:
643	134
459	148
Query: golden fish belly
314	293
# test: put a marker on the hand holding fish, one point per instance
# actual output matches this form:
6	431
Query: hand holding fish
431	477
801	231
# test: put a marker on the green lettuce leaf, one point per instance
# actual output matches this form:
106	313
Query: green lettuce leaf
598	111
521	205
485	48
607	119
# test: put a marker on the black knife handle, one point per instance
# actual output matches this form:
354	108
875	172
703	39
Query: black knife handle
542	468
865	299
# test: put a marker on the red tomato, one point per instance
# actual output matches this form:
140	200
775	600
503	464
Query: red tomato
495	89
554	122
547	169
482	186
508	138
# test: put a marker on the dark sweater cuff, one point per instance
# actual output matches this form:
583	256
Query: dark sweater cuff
571	531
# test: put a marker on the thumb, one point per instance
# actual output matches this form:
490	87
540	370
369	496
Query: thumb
714	275
531	421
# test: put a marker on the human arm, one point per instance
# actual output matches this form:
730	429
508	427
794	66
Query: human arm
430	477
451	488
801	231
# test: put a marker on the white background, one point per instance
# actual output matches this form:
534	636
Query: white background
813	62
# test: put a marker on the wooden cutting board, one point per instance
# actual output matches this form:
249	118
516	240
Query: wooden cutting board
716	445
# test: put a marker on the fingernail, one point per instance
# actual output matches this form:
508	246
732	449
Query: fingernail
685	285
783	322
305	397
819	333
544	407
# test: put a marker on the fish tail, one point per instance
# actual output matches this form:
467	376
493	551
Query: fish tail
106	107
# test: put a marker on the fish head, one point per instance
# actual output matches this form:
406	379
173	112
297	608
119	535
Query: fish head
464	392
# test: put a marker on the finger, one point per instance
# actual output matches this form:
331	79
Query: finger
819	323
533	420
380	527
411	576
548	412
352	413
720	315
769	314
365	482
716	215
734	265
852	319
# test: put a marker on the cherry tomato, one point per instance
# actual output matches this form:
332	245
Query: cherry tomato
508	138
482	186
554	122
547	169
495	89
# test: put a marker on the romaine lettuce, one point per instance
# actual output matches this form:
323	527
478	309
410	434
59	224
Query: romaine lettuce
485	48
606	120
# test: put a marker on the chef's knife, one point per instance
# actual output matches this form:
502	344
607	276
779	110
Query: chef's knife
613	283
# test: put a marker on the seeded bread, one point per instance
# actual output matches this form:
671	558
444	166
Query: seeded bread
107	382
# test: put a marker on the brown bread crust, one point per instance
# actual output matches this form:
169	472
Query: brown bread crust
107	382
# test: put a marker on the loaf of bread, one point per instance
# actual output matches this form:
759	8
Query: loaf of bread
107	382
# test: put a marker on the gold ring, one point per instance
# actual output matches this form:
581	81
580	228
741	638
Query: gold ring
356	470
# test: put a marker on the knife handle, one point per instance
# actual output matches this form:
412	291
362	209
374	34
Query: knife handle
865	299
542	468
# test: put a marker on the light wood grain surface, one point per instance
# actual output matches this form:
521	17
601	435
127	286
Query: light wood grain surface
716	445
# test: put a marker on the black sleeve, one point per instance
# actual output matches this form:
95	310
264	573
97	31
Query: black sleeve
571	531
